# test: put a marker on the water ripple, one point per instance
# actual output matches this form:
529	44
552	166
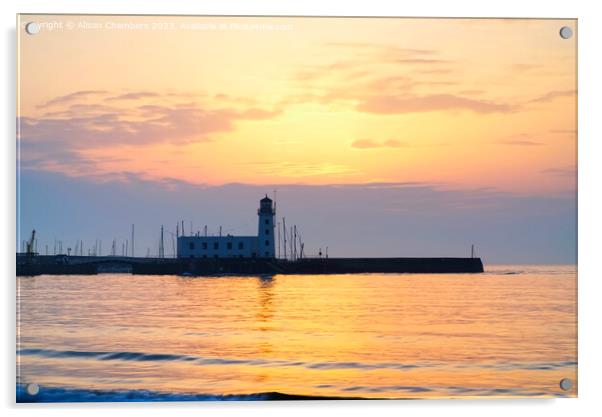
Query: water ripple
63	394
162	357
66	394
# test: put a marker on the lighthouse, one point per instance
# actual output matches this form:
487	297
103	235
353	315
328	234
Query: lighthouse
229	246
265	234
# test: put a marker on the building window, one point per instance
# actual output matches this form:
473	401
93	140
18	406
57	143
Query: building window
240	245
267	221
191	245
267	243
267	254
215	245
205	245
229	245
267	231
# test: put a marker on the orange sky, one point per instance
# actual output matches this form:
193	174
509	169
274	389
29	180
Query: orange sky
459	103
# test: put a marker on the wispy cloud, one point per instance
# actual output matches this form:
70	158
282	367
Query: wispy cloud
519	142
529	68
167	124
85	124
97	119
471	92
257	114
421	61
388	104
391	79
553	95
47	157
567	171
522	139
373	69
68	98
300	169
564	131
384	51
133	96
372	144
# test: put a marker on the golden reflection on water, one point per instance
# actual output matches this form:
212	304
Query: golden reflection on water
369	335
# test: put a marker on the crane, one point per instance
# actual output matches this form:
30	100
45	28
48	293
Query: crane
30	244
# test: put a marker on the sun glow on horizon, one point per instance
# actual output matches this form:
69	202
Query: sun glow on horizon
323	101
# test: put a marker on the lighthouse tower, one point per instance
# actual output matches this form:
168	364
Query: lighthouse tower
265	235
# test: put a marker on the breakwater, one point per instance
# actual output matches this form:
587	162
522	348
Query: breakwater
84	265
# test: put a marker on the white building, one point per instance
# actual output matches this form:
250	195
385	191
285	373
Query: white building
260	246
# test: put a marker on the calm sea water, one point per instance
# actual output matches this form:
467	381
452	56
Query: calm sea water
505	333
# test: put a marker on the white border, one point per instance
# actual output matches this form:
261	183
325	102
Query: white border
590	207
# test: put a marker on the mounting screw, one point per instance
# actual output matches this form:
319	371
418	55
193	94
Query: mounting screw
32	28
32	389
566	384
566	32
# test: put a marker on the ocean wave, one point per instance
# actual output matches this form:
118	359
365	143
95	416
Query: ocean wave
50	394
168	357
73	395
160	357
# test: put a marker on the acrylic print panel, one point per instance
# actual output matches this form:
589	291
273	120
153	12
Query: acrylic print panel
260	208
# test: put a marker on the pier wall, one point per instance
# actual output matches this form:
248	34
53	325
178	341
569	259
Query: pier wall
212	266
244	266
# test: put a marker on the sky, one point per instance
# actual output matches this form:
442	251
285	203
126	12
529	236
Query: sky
378	137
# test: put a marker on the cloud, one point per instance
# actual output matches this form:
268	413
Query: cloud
522	139
420	61
387	79
80	109
552	95
300	169
392	143
435	71
258	114
166	124
92	125
389	104
471	92
133	96
227	98
526	67
520	142
371	144
392	51
564	131
397	82
71	97
316	72
373	68
569	171
48	157
84	120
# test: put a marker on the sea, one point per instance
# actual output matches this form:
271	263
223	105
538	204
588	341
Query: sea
507	333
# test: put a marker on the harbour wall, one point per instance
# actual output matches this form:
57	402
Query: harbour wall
244	266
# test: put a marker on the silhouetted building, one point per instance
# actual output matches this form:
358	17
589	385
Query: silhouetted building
260	246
